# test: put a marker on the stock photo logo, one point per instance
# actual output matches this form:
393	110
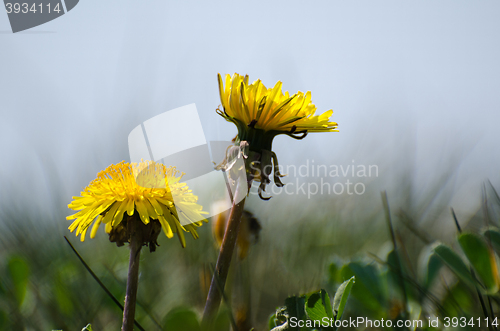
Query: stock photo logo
176	138
26	14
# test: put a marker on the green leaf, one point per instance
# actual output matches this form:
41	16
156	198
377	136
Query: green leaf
181	319
493	235
434	264
19	273
457	300
340	299
368	289
481	258
318	306
455	263
272	321
222	321
295	307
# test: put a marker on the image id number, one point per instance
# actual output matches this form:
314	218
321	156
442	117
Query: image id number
24	8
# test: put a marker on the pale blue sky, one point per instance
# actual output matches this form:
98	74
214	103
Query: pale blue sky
412	84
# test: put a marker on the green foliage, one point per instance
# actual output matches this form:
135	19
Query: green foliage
493	235
314	310
401	288
43	286
483	271
333	273
19	273
455	263
186	319
318	306
458	300
434	265
62	293
378	293
341	296
478	274
295	307
222	322
3	320
370	288
482	258
181	319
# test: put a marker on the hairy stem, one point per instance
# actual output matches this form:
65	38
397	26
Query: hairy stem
224	260
133	276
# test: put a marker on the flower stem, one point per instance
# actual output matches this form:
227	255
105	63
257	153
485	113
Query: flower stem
224	260
133	276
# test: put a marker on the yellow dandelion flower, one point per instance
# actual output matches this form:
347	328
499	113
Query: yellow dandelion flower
253	106
262	113
142	192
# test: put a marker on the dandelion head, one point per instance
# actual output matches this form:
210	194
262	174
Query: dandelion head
137	192
260	114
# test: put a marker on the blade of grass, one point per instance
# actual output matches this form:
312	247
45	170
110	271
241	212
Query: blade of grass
488	221
481	300
385	202
458	307
145	308
99	281
414	283
224	298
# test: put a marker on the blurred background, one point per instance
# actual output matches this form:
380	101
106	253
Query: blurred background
413	86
